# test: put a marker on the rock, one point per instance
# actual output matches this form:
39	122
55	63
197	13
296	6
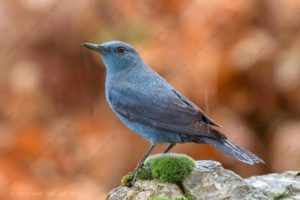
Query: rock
210	181
278	186
143	190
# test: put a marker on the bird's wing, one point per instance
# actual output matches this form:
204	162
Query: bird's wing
205	118
162	108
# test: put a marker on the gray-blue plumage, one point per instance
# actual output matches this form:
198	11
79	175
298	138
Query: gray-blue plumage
152	108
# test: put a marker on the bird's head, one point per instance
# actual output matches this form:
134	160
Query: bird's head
116	55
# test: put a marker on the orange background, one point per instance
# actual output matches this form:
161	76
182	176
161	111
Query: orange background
239	61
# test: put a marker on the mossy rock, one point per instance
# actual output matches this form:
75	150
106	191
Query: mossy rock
143	174
167	168
126	180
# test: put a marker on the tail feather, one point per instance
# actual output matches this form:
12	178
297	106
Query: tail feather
233	150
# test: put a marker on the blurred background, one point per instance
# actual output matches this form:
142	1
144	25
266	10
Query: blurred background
238	60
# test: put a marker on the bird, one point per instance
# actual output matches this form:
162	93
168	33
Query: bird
148	105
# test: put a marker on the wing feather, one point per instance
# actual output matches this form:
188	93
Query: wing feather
161	108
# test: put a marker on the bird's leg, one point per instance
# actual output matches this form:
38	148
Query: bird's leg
140	164
169	147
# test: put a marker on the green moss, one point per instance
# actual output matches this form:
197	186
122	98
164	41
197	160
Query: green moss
167	168
281	196
189	196
170	168
144	174
126	180
164	198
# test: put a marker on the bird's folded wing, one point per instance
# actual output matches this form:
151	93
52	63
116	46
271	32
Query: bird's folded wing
206	119
161	109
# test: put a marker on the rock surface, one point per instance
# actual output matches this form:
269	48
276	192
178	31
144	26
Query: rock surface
143	190
278	186
209	180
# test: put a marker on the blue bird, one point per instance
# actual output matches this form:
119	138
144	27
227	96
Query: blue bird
153	109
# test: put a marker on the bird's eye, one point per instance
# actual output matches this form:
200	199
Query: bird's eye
121	50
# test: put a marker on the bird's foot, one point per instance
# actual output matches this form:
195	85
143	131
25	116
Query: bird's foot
133	181
136	173
134	176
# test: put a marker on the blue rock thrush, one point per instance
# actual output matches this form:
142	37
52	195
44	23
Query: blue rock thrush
153	109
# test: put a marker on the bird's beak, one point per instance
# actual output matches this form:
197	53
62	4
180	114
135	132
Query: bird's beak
95	47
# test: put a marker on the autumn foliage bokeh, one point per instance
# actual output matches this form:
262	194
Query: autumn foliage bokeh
238	60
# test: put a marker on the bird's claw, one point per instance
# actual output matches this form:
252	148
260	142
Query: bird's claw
134	177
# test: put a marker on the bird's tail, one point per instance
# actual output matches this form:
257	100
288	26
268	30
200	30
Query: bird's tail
231	149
